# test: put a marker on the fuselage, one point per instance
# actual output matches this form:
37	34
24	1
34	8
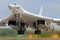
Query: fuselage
26	17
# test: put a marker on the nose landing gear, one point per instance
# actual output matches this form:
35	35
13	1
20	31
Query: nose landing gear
21	25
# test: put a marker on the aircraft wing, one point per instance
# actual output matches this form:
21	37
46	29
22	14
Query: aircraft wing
38	17
47	19
5	21
57	21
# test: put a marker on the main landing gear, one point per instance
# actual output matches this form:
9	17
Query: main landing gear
37	31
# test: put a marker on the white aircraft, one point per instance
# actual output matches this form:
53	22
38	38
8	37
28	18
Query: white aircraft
20	19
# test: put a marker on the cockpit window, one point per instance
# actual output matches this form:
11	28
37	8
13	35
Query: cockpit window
15	4
17	8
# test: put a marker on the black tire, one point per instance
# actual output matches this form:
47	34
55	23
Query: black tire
20	32
22	28
37	31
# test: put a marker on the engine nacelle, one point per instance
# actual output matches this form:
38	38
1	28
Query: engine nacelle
40	22
12	22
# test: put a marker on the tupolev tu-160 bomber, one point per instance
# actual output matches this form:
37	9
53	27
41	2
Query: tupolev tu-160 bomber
20	20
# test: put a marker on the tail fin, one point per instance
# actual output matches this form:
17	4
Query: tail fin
41	11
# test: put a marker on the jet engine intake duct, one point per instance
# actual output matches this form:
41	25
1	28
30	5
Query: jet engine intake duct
40	22
12	22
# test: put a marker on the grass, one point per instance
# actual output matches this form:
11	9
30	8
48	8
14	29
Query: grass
44	34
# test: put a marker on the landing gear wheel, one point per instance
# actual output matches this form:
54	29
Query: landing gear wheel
20	32
37	31
22	28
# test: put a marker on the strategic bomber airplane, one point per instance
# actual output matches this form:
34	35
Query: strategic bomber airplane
20	19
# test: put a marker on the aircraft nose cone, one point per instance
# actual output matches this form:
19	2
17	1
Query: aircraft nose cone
9	5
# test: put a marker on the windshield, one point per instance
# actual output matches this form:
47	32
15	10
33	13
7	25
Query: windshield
17	8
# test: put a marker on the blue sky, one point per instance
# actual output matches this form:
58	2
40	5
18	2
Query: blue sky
51	8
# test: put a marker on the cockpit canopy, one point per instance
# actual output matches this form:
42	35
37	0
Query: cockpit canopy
16	6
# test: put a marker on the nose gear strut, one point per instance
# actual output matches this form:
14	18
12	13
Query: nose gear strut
20	24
